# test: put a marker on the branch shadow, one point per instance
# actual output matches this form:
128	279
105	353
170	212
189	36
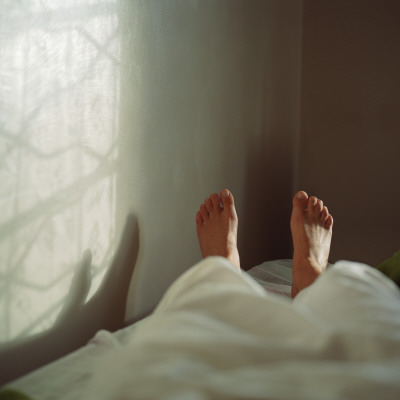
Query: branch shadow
79	321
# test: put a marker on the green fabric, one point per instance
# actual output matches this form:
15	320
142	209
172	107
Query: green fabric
11	394
391	268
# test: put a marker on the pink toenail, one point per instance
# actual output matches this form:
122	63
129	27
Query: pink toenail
225	193
300	195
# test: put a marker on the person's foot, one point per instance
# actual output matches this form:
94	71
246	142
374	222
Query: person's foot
311	226
217	225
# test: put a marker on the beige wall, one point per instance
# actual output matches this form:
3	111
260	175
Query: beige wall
350	122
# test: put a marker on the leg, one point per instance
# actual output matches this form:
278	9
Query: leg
217	225
311	226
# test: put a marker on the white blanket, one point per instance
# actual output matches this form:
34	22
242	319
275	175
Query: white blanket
217	334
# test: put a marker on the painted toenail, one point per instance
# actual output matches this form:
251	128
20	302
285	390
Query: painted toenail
225	193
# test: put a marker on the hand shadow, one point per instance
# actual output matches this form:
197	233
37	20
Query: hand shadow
78	322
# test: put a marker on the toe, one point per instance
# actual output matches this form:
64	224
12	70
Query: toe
299	204
226	198
324	214
215	201
319	206
329	222
312	202
199	219
203	212
300	200
209	205
228	203
314	207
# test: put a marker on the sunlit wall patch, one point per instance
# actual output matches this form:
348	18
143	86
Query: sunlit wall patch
59	124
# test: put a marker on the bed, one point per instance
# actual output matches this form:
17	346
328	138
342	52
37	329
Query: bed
219	333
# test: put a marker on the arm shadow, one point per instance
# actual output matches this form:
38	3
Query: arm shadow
78	322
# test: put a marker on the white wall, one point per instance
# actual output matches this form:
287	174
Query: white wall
210	100
110	108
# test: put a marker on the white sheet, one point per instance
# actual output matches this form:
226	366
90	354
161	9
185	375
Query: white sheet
274	276
66	378
218	334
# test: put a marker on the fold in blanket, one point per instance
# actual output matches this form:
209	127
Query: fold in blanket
218	334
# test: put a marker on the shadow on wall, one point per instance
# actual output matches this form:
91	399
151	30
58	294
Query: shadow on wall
78	322
264	230
265	234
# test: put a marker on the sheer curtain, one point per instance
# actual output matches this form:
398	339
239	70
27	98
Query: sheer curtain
59	108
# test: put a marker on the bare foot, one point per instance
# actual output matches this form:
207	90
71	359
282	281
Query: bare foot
217	227
311	226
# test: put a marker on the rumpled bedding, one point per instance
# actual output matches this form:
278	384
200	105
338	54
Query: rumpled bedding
217	334
66	378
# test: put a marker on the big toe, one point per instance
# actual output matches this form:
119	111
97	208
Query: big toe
300	201
227	199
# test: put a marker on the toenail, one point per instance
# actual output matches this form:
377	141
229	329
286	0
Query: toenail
301	195
225	193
